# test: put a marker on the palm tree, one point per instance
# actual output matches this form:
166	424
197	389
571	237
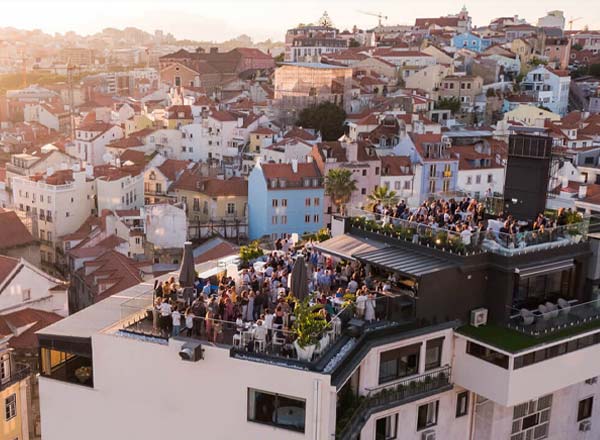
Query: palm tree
383	196
339	185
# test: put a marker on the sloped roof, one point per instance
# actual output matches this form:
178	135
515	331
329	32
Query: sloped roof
7	265
12	231
35	319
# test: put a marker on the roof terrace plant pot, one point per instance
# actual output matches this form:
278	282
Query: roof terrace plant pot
305	353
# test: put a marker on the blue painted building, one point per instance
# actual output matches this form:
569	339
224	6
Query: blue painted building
470	41
436	165
284	198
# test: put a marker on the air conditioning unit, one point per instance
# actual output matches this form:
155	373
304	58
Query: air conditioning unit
592	381
479	317
191	352
586	425
428	435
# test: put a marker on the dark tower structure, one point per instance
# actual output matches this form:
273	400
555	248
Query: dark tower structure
527	175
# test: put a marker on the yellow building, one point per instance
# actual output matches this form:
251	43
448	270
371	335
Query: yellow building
211	199
525	51
178	116
137	123
260	138
14	386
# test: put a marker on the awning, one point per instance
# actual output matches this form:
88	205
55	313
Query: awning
404	261
346	246
542	269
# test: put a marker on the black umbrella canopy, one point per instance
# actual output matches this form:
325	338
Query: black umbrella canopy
299	281
187	273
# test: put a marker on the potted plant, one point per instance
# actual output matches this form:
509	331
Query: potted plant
309	327
250	253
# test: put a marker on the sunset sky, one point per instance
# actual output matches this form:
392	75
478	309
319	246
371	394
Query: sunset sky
219	20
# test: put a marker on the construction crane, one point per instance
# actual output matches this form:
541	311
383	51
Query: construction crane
379	15
573	20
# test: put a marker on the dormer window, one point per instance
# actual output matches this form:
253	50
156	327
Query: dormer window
152	176
273	183
282	183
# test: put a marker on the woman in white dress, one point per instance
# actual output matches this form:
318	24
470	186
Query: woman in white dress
370	308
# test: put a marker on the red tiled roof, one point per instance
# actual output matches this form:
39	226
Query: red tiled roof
262	130
171	168
137	157
285	171
223	116
221	250
35	319
7	265
395	166
12	231
128	142
2	174
301	133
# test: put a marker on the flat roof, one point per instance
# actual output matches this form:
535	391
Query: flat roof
316	65
109	311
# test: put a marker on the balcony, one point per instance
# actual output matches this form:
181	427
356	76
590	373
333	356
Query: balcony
490	240
390	395
245	342
554	318
21	372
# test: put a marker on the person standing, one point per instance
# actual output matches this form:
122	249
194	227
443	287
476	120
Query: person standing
189	322
176	318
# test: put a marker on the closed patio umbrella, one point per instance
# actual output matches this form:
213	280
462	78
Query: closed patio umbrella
299	281
187	273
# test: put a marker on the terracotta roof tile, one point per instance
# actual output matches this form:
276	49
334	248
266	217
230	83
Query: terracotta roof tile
13	232
7	265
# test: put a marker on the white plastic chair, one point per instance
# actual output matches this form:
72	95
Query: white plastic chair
528	317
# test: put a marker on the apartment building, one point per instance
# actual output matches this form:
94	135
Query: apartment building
285	199
119	188
448	356
91	140
464	88
15	394
307	43
59	201
549	87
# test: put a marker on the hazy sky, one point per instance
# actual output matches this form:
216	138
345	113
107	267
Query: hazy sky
219	20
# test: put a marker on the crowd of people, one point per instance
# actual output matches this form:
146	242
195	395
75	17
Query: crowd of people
260	297
467	218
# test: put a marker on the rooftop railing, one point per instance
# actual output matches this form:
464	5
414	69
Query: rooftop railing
139	318
551	318
490	240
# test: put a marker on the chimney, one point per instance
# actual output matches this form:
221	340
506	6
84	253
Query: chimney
89	170
309	159
118	162
295	165
240	122
564	182
582	191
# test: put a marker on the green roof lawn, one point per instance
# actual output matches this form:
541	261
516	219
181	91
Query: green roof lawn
514	341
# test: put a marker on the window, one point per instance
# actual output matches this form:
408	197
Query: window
307	218
316	218
407	184
427	415
67	214
284	219
307	201
316	201
478	178
584	409
274	220
364	172
462	404
275	203
26	294
5	367
398	363
433	353
10	407
276	410
489	178
230	208
386	428
363	191
284	202
488	355
531	419
49	236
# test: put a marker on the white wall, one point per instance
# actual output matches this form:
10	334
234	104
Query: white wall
150	393
166	226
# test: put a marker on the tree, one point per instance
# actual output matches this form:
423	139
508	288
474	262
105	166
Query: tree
382	196
354	43
279	58
451	103
577	47
326	117
339	185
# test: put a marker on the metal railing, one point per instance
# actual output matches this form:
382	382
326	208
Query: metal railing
550	318
394	394
21	372
490	240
